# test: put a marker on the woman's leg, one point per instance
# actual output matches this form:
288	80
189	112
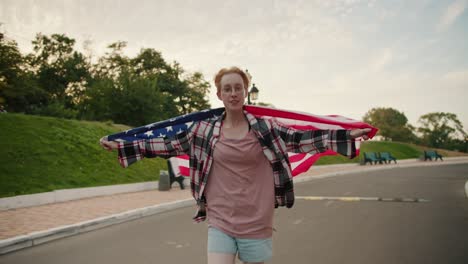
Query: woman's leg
221	258
222	248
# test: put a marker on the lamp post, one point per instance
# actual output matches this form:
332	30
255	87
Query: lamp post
252	95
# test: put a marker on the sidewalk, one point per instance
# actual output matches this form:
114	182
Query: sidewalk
25	227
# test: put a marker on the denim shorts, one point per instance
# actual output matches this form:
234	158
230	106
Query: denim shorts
249	250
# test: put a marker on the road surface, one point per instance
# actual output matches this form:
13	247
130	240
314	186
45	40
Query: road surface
325	231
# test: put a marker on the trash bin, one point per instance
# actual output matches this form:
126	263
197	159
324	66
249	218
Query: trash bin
164	181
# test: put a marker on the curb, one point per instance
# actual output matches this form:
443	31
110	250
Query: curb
40	237
37	238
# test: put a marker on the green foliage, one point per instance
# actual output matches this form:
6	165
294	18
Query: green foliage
56	80
60	69
391	124
56	109
18	88
41	154
442	130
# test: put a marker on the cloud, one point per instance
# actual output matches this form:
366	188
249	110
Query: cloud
384	58
456	78
451	13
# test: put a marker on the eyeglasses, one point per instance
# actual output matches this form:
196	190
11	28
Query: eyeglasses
229	90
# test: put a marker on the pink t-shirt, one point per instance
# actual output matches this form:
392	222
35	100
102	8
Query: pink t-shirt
240	190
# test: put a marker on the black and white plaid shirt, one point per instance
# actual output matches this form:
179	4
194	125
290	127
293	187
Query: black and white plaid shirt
275	138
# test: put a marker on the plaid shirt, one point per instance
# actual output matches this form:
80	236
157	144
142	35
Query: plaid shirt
276	140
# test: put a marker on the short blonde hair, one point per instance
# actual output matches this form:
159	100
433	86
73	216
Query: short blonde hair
245	76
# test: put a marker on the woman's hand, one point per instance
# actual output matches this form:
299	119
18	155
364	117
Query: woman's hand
355	133
109	145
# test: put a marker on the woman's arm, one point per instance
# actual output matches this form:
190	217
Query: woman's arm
130	152
317	141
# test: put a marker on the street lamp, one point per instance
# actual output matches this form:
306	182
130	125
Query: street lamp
252	94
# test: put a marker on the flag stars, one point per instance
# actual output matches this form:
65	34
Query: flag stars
149	133
169	128
161	135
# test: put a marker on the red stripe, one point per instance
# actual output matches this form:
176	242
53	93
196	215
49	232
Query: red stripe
184	157
263	111
185	171
296	157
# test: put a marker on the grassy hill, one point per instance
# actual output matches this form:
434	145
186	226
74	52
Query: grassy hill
40	154
398	149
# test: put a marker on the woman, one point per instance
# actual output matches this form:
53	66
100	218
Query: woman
239	169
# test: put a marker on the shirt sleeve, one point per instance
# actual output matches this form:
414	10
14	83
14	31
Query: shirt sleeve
316	141
130	152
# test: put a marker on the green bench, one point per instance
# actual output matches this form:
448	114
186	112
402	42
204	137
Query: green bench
371	157
387	157
432	154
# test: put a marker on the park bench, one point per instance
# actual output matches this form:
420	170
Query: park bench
387	156
430	154
371	157
173	178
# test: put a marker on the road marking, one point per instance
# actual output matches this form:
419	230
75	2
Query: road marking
358	199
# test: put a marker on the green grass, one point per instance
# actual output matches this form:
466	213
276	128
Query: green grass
40	154
398	149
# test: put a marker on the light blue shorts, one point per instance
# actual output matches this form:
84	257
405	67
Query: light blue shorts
250	250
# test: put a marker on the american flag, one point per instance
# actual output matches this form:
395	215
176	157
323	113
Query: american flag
299	162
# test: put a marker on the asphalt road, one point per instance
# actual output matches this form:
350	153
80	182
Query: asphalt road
312	232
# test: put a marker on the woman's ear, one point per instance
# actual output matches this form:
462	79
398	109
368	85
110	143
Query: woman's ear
218	93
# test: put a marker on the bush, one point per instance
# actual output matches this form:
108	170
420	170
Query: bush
55	109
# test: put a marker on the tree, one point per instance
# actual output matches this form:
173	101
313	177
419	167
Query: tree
141	89
194	99
19	91
112	63
442	130
186	92
56	80
132	100
391	123
61	71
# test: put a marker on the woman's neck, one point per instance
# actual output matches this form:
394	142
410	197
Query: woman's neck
234	119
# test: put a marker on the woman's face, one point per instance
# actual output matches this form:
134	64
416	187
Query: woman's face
232	91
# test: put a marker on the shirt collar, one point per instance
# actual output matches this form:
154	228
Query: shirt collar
250	118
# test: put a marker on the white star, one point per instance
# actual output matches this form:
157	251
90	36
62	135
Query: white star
188	124
150	125
169	128
180	131
126	131
149	133
172	119
161	135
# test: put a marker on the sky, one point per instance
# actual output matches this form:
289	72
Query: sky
326	57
